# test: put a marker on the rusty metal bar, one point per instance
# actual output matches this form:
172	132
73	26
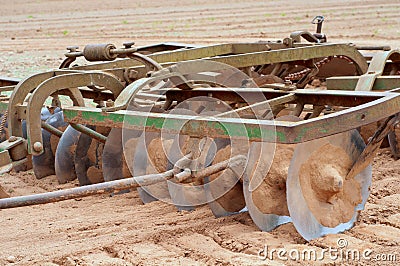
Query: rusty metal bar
91	133
230	163
51	129
265	104
79	192
7	81
383	106
384	48
113	186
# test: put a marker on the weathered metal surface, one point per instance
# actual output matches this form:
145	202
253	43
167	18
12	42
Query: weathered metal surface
111	186
294	54
376	68
90	132
301	213
334	98
368	154
84	191
54	84
349	83
5	162
51	129
189	54
20	93
253	54
256	130
64	157
8	81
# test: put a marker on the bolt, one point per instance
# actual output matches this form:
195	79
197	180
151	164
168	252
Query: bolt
128	45
109	103
288	41
72	49
37	146
287	82
12	139
132	74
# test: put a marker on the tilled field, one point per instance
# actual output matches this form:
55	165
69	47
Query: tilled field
119	230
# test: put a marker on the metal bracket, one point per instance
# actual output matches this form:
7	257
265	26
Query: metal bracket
13	152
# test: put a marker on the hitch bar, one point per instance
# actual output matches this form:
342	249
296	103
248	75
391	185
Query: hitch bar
117	185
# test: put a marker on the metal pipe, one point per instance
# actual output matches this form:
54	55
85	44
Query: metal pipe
90	132
384	48
230	163
51	129
114	186
84	191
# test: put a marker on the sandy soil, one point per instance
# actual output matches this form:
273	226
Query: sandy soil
104	230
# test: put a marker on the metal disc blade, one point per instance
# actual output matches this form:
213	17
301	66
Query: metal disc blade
188	196
88	161
43	164
185	196
64	158
320	200
231	204
142	166
266	220
223	190
394	143
264	181
113	156
114	164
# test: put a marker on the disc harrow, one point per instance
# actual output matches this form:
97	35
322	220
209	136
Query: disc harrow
272	128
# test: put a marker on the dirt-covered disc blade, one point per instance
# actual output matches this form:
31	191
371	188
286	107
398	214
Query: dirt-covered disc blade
320	199
264	181
180	80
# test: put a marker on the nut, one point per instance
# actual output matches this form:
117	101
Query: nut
128	45
37	146
109	103
12	138
72	49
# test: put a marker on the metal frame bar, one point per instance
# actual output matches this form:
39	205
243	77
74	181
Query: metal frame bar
384	105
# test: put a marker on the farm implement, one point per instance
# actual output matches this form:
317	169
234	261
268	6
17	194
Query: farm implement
272	128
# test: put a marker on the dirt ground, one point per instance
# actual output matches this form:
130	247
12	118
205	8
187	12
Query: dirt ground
119	230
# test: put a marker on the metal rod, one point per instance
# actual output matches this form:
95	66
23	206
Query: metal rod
231	163
114	186
84	191
384	48
91	133
51	129
265	104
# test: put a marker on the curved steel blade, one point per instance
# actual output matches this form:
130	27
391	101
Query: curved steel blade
141	165
302	217
394	143
64	161
88	163
264	221
44	164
